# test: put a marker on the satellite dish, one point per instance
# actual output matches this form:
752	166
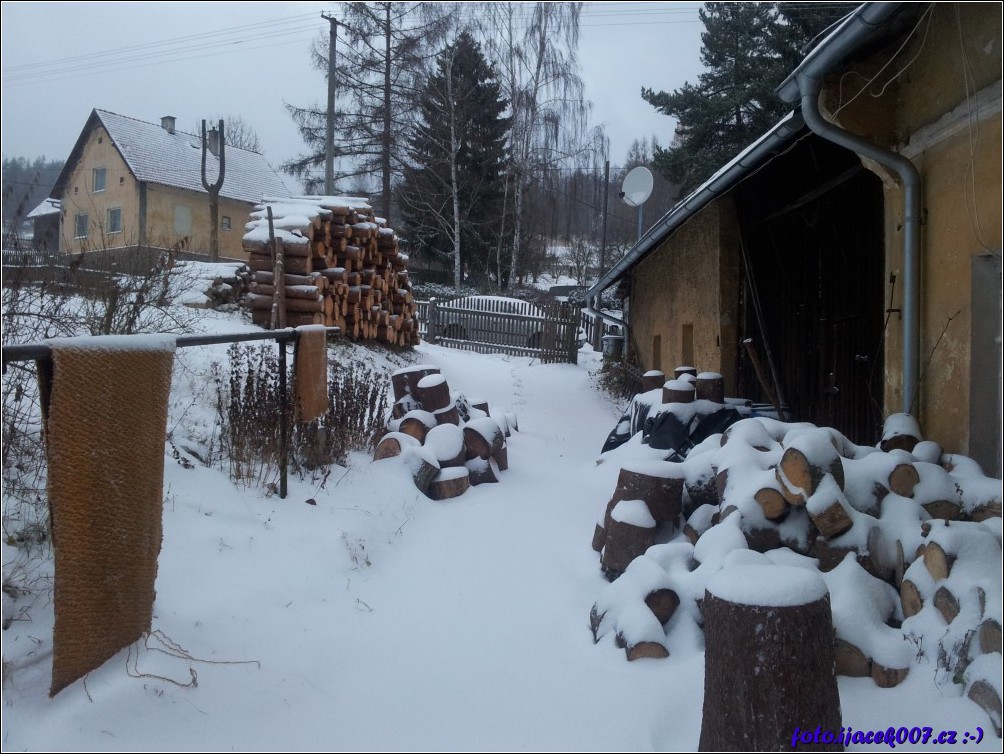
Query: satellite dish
637	186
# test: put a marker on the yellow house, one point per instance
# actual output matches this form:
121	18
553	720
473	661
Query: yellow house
848	264
130	183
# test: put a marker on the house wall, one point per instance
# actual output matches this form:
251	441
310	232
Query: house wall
943	113
123	191
161	203
684	297
81	198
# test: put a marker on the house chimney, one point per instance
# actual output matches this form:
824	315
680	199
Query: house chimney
167	123
213	137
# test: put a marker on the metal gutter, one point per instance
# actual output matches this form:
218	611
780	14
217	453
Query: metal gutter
805	84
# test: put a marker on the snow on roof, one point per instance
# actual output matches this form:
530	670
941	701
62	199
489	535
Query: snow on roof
175	159
48	206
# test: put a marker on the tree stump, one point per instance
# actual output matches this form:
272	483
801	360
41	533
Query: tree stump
677	391
711	387
769	661
434	392
405	381
449	483
682	370
631	531
652	380
658	483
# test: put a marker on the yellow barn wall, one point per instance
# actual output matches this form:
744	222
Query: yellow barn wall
929	115
691	280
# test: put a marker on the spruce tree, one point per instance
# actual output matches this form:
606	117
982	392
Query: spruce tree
452	194
747	50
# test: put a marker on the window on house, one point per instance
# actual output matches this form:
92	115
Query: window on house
182	220
115	220
121	179
99	177
80	226
226	222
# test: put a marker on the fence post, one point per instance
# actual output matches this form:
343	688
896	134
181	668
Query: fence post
283	422
572	336
432	326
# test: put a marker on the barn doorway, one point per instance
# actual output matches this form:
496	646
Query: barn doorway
814	289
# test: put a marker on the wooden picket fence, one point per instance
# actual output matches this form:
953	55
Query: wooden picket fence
548	332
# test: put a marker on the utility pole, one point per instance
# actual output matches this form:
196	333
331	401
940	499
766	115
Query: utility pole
603	237
329	141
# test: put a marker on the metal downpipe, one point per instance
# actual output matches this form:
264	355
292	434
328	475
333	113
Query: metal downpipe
809	89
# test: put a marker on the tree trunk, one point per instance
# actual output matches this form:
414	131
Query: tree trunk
768	668
449	483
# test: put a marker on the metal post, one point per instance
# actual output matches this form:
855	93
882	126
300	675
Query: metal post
283	422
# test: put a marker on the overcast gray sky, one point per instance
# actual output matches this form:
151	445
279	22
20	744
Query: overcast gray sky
197	60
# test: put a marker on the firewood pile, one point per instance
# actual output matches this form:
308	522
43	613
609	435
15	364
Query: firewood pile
895	529
341	267
449	443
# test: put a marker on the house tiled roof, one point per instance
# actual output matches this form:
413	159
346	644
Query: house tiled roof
175	159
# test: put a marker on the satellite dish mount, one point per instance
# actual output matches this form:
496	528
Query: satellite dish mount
636	190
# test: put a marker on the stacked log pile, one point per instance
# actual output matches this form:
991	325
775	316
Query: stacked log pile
876	518
450	443
341	267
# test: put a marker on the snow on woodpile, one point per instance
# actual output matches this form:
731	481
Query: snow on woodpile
341	267
447	442
906	536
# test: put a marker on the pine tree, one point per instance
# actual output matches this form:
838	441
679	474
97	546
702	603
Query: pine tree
747	49
379	63
451	197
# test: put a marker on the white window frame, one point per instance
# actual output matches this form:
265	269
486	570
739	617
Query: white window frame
226	223
81	216
111	226
103	172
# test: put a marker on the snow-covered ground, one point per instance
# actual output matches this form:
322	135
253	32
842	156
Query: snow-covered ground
379	620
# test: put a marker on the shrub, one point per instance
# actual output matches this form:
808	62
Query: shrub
249	412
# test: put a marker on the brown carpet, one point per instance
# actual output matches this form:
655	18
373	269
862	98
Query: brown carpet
310	364
105	430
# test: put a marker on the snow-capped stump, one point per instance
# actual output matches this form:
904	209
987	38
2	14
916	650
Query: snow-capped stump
423	466
928	451
684	370
699	522
483	438
863	607
635	608
630	531
393	444
652	380
710	386
808	457
658	483
903	479
640	634
417	424
769	658
752	432
827	508
677	391
900	431
985	691
937	491
403	406
481	405
446	442
449	483
434	392
981	496
447	415
483	471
